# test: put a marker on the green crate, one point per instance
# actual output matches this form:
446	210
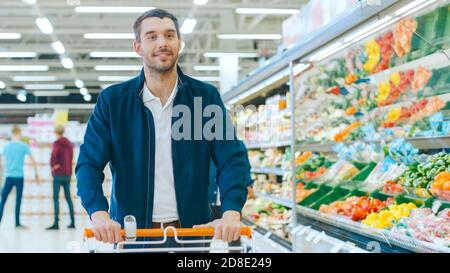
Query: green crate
429	203
336	194
400	199
358	179
380	195
322	190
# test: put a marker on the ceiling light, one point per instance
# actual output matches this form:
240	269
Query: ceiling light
10	36
84	91
18	54
224	54
44	86
113	78
29	2
59	93
2	85
188	25
58	47
67	63
87	97
23	68
207	68
34	78
249	36
200	2
44	25
109	36
266	11
114	55
207	79
79	83
118	67
22	95
112	9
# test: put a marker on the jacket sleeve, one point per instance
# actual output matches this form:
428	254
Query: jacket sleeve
95	153
232	171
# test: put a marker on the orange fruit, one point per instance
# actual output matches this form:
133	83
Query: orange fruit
443	176
437	185
446	186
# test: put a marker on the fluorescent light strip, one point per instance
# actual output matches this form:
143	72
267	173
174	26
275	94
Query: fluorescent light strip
114	55
97	9
223	54
2	85
266	11
59	93
67	63
200	2
44	25
44	86
113	78
118	67
84	91
21	68
188	25
249	36
410	6
207	79
34	78
18	54
10	36
109	36
58	47
79	83
207	68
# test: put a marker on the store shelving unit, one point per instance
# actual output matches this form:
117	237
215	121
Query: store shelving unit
294	64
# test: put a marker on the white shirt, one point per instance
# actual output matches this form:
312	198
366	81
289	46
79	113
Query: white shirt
164	203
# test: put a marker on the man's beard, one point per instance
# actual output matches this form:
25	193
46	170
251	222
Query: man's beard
163	68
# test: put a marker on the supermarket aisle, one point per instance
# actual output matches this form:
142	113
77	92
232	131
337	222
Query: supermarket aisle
36	238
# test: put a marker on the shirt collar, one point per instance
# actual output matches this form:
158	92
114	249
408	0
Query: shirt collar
147	95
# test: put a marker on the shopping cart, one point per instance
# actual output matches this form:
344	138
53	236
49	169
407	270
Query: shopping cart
130	233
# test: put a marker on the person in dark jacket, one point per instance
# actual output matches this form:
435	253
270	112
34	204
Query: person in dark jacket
151	131
61	165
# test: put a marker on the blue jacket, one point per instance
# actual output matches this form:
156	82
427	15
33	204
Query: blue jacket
121	132
213	187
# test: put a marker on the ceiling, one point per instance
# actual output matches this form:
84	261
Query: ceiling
216	17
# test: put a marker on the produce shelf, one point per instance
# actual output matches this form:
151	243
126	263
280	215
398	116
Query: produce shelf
275	199
275	171
268	234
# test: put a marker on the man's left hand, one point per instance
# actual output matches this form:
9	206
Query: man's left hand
228	228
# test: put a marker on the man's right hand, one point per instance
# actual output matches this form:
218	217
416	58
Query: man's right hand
105	230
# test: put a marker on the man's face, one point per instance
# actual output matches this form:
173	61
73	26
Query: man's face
159	44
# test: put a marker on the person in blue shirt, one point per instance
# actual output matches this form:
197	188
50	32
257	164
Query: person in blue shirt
14	154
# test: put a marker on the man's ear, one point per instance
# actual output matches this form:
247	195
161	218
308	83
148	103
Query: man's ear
137	47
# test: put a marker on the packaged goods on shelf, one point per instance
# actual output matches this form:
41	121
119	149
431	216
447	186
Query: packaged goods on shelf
268	215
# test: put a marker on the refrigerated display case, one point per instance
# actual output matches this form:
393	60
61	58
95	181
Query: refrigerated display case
370	108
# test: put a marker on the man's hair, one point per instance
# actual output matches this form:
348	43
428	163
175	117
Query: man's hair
16	130
159	13
59	130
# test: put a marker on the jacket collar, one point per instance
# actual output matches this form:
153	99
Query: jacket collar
140	79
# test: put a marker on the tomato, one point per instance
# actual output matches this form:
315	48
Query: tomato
359	214
364	204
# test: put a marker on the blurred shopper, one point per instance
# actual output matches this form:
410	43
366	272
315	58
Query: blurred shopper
61	164
14	153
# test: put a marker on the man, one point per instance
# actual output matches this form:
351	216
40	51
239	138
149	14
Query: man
61	165
14	153
161	180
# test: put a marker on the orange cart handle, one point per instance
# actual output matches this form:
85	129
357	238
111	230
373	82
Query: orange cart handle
157	232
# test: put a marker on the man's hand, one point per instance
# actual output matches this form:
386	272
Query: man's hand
55	167
105	230
228	228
